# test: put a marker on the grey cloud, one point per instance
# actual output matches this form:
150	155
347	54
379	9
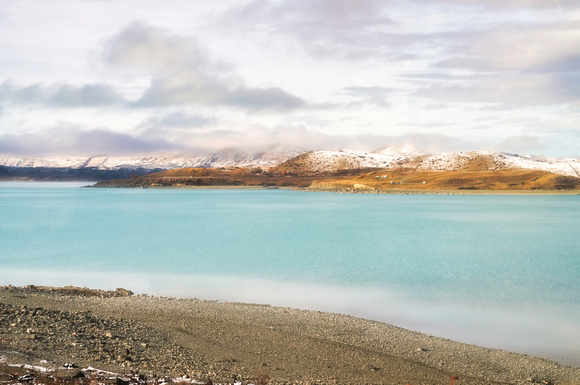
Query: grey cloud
70	139
177	119
154	49
61	95
105	141
371	32
299	136
501	5
86	95
319	14
514	90
513	46
375	91
527	144
346	29
164	92
182	72
510	64
565	64
263	98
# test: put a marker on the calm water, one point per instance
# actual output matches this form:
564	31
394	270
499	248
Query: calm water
498	271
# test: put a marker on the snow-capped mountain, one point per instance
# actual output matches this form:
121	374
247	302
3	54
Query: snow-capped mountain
226	158
332	161
312	162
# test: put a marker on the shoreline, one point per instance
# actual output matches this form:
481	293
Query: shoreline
338	190
119	331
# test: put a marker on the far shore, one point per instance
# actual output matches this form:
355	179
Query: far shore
441	192
364	191
201	340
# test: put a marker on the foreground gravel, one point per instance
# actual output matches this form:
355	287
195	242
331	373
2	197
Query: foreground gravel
155	336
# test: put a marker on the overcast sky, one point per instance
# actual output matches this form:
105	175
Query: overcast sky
143	76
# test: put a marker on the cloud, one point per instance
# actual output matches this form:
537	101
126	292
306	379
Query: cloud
177	119
512	64
140	46
512	46
61	95
375	91
71	139
511	90
501	5
527	144
174	133
321	15
182	72
344	29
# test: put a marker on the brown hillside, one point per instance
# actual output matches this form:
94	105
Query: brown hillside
353	179
211	177
454	180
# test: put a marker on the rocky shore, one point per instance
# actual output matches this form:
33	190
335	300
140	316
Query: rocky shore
147	338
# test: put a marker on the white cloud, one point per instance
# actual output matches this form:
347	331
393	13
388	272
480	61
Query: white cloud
66	138
61	95
182	72
316	74
511	90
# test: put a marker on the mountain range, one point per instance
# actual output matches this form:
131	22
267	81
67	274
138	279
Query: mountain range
286	161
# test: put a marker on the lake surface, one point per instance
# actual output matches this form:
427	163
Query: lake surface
497	271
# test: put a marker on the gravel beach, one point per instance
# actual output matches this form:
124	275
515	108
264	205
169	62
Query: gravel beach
160	336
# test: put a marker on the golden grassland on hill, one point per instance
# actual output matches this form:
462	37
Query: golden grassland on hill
514	179
372	179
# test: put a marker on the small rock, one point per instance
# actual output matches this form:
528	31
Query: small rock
69	373
25	378
120	292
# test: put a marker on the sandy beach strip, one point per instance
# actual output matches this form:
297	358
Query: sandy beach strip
219	340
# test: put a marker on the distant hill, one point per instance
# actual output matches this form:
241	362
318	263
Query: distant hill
389	168
104	167
427	180
320	162
380	172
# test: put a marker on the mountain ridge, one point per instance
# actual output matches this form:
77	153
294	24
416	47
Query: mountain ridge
300	162
332	161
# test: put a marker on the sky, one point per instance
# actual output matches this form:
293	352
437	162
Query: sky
141	76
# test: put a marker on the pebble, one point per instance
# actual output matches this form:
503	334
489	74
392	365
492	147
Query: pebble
103	336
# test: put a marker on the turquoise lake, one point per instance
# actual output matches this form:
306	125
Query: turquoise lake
497	271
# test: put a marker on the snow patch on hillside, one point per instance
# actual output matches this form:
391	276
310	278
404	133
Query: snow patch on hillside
151	162
329	161
315	161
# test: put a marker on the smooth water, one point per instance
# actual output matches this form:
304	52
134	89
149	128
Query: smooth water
497	271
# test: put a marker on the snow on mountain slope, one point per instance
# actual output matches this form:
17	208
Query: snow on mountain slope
331	161
226	158
310	162
568	166
485	160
